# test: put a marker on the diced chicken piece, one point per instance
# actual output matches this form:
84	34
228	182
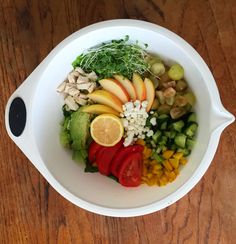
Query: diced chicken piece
84	86
91	87
75	73
73	91
84	96
82	79
81	101
61	87
71	78
92	76
70	102
80	70
68	87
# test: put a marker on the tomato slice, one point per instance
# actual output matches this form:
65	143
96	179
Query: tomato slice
121	155
131	170
94	148
105	157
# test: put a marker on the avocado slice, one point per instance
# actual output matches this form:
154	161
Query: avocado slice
79	132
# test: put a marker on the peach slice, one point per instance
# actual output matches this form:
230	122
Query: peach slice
99	109
106	98
127	84
139	87
115	88
150	89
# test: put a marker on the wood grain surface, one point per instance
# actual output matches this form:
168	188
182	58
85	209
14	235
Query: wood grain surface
31	211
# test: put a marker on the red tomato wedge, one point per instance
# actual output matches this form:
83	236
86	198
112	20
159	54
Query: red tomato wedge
121	155
94	148
105	157
131	170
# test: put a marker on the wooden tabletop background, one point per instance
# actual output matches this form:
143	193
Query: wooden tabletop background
31	211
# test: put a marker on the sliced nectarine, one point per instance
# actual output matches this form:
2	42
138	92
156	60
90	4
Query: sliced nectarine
115	88
127	84
106	98
99	109
139	87
150	90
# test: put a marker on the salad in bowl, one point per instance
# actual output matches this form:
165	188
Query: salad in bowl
127	114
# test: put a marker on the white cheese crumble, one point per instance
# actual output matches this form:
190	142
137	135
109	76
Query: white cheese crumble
153	121
134	120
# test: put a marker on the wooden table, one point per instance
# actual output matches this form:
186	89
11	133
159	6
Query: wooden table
31	211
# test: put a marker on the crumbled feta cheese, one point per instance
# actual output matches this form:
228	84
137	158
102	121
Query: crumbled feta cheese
125	122
150	133
134	121
153	121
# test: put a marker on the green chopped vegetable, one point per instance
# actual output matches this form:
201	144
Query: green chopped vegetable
178	125
191	129
180	140
192	118
157	157
176	72
190	98
90	168
158	69
156	136
190	143
114	57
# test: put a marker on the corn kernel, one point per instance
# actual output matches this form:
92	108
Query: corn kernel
147	152
153	162
174	162
145	170
167	154
140	142
149	175
157	166
183	161
145	161
167	165
176	171
178	155
144	178
159	173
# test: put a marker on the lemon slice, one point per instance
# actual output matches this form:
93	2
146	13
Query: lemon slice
107	130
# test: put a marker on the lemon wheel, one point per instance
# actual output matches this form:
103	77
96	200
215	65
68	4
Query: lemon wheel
107	130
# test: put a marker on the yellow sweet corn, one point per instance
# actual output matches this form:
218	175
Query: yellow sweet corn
167	154
178	155
140	142
155	173
157	166
183	161
174	162
167	165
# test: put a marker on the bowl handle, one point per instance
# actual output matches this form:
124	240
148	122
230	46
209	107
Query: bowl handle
18	115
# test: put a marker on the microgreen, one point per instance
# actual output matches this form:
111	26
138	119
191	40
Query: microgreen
114	57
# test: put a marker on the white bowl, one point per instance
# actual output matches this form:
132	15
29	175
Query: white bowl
94	192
